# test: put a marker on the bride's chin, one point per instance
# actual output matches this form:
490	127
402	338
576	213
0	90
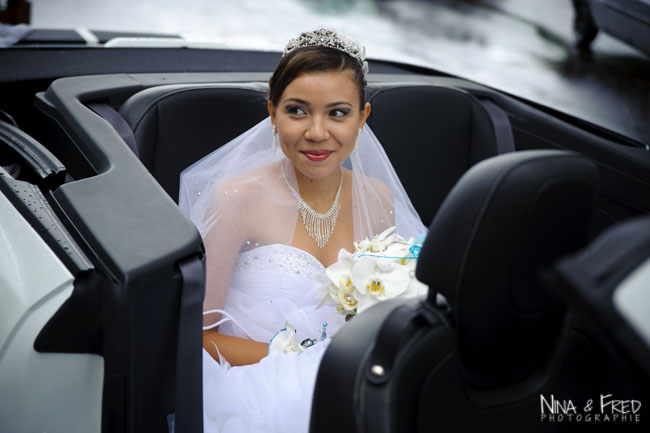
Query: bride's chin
317	173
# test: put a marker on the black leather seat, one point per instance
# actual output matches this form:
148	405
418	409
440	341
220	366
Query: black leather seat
432	135
483	363
505	220
430	130
176	125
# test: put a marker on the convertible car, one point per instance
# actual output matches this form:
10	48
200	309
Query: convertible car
539	245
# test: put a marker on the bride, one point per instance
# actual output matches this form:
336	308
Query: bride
274	207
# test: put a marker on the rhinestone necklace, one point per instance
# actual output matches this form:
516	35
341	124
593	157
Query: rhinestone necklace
319	226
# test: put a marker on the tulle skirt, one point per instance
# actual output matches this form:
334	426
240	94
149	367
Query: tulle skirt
274	395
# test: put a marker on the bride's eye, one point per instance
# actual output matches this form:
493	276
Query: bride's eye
339	112
295	110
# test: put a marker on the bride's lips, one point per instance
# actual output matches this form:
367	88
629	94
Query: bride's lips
317	155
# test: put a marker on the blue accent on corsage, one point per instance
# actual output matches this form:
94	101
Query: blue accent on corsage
268	348
323	332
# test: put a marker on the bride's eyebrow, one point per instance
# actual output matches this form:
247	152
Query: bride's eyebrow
303	102
334	104
296	100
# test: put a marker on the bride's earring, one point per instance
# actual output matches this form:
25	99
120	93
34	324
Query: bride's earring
275	129
356	143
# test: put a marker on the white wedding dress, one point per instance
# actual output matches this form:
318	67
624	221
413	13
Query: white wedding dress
270	285
238	195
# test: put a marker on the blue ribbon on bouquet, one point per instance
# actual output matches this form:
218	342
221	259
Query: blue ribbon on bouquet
414	250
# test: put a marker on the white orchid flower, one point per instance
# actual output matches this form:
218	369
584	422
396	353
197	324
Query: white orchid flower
378	243
347	301
362	246
380	277
379	269
337	271
284	342
366	301
338	286
398	248
415	288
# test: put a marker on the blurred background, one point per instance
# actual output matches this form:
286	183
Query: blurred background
527	48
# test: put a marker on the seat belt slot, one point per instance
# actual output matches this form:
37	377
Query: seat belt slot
502	127
118	123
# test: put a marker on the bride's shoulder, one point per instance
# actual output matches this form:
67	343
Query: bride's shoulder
372	184
249	187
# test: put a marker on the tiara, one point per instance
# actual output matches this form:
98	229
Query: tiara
330	39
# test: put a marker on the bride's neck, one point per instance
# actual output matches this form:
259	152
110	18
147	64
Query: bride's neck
319	193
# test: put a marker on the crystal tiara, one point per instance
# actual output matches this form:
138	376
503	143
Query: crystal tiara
330	39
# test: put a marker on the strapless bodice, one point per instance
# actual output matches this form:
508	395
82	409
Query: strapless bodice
274	284
279	258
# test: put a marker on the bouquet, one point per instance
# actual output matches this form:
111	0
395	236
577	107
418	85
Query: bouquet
379	269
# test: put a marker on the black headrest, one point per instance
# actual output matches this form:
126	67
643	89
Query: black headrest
176	125
505	219
430	129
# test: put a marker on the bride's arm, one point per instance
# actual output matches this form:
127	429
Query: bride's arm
230	230
237	351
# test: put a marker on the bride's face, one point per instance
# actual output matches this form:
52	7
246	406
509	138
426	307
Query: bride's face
317	118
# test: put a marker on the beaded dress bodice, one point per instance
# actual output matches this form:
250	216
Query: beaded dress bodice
279	258
273	284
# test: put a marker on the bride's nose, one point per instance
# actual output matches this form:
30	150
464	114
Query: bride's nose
317	130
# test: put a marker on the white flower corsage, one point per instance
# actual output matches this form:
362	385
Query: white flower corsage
284	341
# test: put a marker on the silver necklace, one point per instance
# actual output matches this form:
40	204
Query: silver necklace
319	226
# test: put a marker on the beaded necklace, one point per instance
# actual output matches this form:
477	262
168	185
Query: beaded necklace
319	226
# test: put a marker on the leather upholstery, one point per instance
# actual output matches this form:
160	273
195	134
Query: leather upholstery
484	364
177	125
345	386
424	129
432	135
506	219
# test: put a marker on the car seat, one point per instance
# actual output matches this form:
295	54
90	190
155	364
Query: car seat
481	360
176	125
445	132
434	134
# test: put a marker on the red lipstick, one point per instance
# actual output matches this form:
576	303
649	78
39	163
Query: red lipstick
317	155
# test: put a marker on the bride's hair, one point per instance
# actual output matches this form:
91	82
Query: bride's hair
314	59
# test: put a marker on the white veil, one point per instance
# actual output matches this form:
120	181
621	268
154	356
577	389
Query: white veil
237	198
